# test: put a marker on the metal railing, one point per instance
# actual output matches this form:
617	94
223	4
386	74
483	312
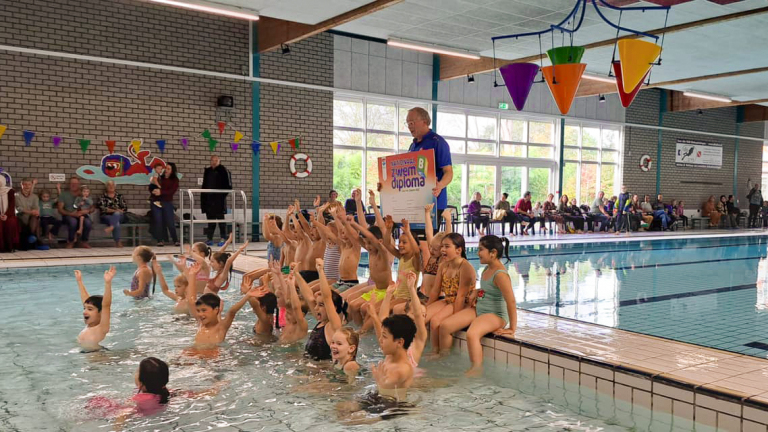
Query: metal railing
191	222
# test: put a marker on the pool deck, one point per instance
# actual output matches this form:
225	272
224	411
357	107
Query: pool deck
719	389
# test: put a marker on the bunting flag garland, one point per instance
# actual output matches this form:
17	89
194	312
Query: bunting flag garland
295	143
161	145
136	144
234	146
275	146
222	125
110	146
206	134
238	136
212	144
28	136
184	143
84	143
56	140
2	130
256	147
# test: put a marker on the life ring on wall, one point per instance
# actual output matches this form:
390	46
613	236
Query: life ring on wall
645	163
305	158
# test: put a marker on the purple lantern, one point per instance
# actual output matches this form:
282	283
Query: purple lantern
518	77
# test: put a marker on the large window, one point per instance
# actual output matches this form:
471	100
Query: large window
363	131
492	152
592	155
764	180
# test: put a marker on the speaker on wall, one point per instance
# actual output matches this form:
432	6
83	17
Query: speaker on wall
225	102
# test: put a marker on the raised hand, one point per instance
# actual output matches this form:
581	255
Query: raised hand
194	269
78	276
406	225
428	208
317	201
109	274
291	209
389	223
319	264
371	198
391	288
411	278
245	245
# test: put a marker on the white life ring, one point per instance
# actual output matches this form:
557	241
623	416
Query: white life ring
307	171
645	163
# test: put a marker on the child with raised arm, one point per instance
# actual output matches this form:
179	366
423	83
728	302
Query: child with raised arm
408	254
264	305
380	273
180	285
311	247
221	263
325	225
199	252
348	242
272	226
295	324
142	257
206	310
327	310
495	305
97	312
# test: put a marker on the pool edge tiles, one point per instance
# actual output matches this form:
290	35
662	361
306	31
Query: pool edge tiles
716	388
243	263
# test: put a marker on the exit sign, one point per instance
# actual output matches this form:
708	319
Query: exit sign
503	105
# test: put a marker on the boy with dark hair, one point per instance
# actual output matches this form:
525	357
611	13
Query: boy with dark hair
97	311
207	310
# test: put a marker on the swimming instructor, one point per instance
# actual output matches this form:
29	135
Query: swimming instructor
424	138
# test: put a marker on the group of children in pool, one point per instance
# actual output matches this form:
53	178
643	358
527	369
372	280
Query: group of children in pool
313	263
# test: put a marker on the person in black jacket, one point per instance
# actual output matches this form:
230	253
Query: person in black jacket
214	205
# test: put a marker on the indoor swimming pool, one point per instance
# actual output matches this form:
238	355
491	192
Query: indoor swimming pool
48	381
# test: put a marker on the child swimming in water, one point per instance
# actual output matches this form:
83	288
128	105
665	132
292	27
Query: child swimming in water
295	324
344	351
272	227
180	285
221	263
207	310
327	310
97	311
264	305
495	305
142	257
199	252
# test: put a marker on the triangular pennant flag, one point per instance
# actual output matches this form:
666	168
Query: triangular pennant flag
2	130
56	140
110	146
563	81
234	146
84	143
238	136
275	145
518	77
222	126
206	134
212	144
161	146
626	98
256	147
184	143
298	143
28	136
136	145
637	57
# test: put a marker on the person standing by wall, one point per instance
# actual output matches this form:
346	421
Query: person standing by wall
214	205
163	220
755	197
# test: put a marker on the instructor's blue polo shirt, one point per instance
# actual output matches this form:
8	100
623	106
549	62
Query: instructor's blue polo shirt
433	141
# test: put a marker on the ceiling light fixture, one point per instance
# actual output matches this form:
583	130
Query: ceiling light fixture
601	99
599	78
285	49
470	79
708	97
433	49
209	9
699	112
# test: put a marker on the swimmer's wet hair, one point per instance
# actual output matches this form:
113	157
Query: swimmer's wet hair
203	248
94	300
211	300
353	338
153	375
221	257
269	303
376	231
400	327
146	255
340	304
278	221
181	279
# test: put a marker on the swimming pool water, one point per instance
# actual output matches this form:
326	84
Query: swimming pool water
711	292
47	380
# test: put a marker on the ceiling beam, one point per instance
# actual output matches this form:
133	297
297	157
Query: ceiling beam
679	102
274	32
753	113
454	67
592	88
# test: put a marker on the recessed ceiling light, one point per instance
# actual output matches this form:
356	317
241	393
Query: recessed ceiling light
708	97
433	49
210	9
599	78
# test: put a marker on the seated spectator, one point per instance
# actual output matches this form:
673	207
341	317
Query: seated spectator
764	214
478	216
598	213
708	210
538	212
9	225
509	215
579	216
524	211
70	215
623	204
112	208
550	213
647	211
636	217
660	213
49	221
679	211
608	210
722	208
28	209
350	205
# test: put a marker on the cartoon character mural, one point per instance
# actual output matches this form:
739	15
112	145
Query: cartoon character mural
135	170
8	179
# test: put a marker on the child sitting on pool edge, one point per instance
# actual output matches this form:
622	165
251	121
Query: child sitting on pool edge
97	311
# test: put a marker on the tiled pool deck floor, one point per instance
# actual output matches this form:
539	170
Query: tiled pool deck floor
719	389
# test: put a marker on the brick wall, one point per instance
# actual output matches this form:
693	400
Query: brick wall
100	101
291	111
686	183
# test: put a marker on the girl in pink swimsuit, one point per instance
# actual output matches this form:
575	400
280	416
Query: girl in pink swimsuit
152	397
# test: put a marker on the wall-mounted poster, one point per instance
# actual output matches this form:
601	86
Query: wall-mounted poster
697	154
